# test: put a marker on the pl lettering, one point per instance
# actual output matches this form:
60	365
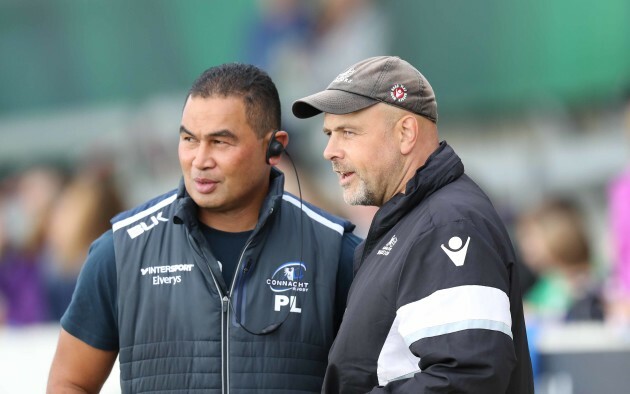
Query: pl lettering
282	300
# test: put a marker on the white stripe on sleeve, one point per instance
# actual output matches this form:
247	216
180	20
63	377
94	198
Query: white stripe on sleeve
455	309
395	361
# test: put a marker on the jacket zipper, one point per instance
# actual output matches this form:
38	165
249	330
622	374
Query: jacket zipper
226	302
225	319
224	308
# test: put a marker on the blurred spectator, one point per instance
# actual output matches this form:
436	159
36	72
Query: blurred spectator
24	214
618	296
283	25
80	215
554	244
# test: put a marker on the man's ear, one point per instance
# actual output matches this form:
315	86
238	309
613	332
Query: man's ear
409	132
283	138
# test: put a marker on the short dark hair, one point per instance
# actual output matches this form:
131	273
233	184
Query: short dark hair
253	85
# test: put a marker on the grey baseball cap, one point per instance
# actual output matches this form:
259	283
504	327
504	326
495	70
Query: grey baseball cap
385	79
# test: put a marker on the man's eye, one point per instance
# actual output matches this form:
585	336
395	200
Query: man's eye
347	133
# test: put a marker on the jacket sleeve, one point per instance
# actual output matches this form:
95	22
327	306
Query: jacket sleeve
453	315
91	315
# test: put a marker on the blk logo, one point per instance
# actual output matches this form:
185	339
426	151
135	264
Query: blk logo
455	251
139	229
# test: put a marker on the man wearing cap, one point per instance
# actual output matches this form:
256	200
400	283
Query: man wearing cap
435	305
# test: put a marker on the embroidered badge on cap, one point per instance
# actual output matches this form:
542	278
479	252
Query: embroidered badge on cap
398	93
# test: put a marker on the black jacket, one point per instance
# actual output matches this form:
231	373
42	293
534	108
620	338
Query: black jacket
435	304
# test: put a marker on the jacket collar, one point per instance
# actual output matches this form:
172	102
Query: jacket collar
440	169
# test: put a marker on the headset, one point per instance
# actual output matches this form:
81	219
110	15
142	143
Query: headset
275	148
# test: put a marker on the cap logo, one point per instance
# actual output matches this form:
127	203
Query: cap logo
398	92
344	76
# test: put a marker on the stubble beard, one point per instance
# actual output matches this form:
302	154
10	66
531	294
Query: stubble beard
361	196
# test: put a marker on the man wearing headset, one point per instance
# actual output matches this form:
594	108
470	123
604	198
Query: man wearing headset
435	305
226	284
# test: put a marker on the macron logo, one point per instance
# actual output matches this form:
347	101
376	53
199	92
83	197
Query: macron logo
455	251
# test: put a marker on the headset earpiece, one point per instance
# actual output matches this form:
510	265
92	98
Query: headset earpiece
275	147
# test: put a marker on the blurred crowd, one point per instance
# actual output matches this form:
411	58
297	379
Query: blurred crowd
49	217
565	278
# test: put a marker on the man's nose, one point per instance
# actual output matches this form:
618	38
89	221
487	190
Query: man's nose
332	150
203	157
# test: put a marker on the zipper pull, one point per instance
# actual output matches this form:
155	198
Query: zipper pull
225	303
248	264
